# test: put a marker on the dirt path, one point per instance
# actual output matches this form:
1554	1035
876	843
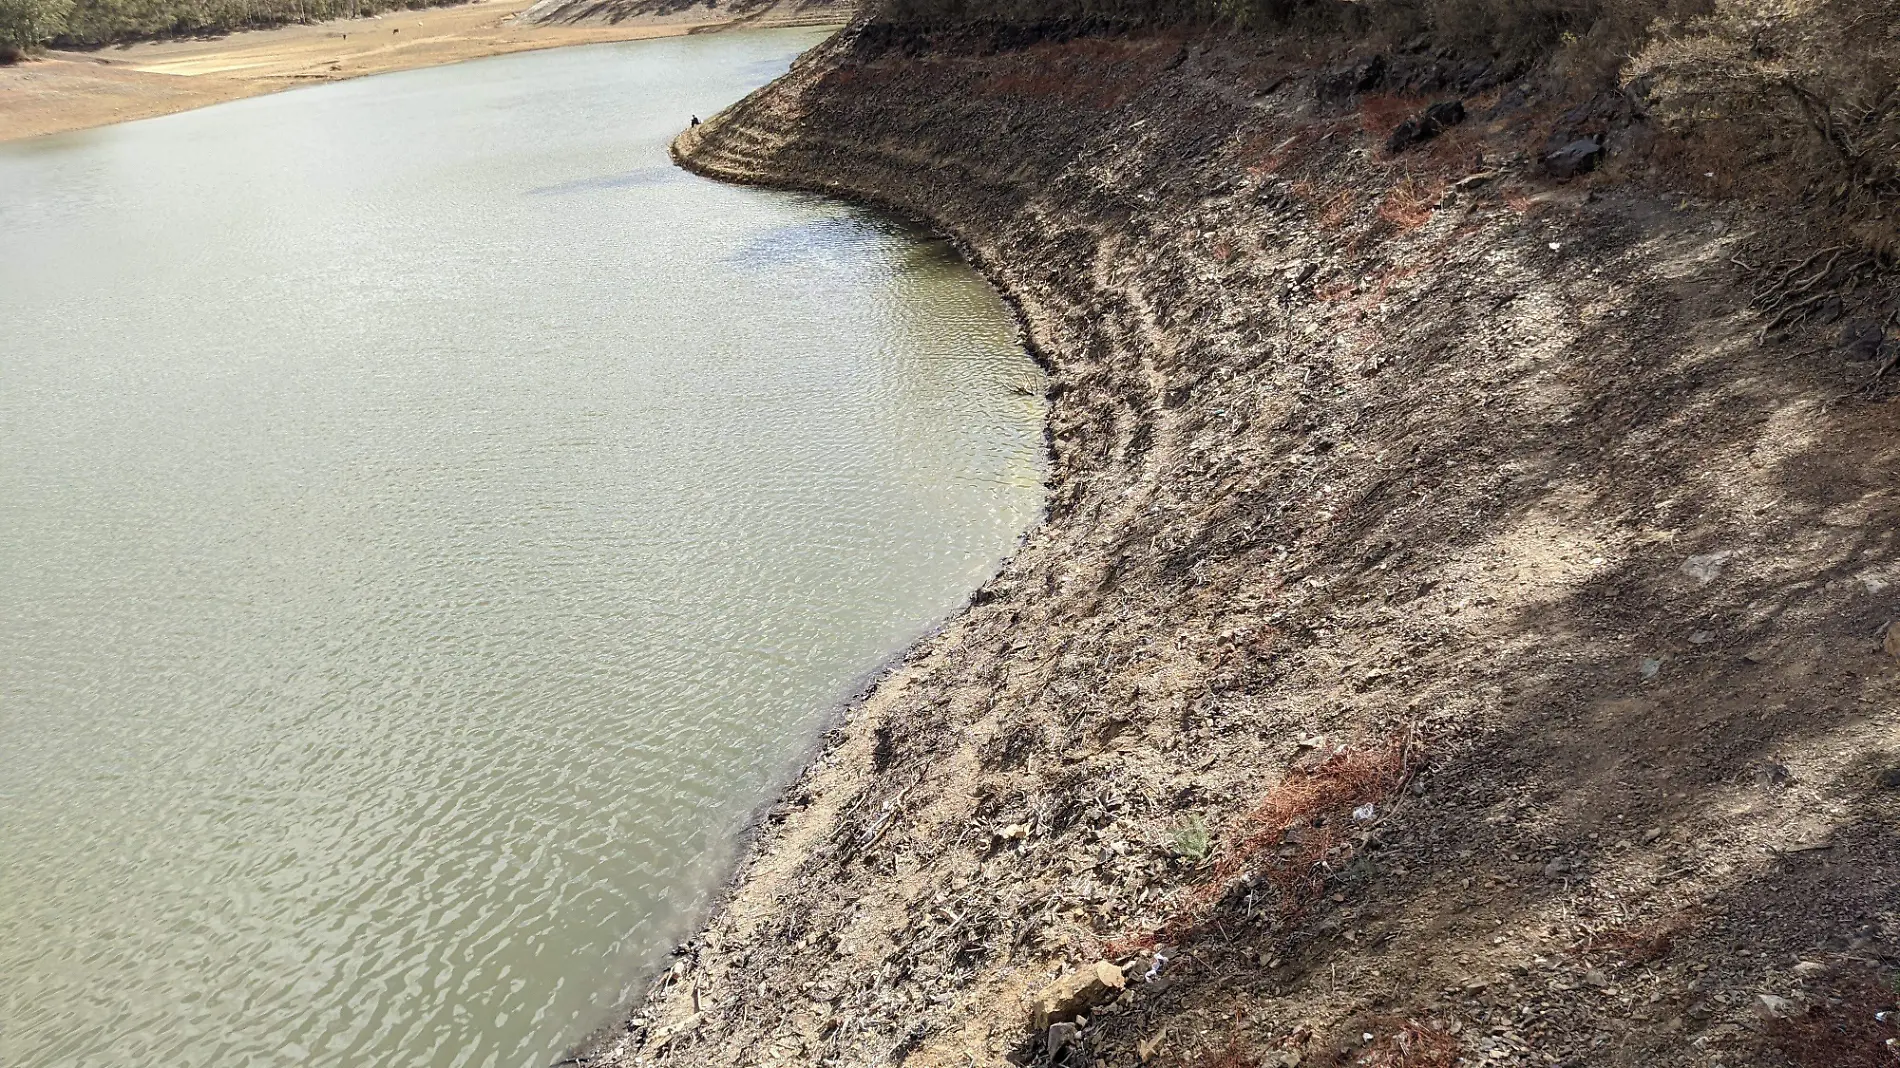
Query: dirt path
80	90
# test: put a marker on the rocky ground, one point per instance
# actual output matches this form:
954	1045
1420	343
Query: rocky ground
1458	632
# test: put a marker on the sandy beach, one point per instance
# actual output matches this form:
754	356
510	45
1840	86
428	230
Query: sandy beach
64	91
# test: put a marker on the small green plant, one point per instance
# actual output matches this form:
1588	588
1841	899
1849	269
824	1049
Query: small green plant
1192	839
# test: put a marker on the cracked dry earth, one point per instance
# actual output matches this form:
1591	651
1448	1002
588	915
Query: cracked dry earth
1456	635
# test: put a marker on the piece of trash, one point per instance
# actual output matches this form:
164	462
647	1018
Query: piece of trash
1154	969
1556	245
1364	812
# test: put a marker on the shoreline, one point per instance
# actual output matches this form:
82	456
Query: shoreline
64	92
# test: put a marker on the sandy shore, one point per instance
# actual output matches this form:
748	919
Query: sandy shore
79	90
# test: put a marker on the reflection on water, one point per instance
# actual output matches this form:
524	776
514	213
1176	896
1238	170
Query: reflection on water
409	582
630	180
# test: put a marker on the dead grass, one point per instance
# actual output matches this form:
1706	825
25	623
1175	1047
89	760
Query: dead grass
1407	1043
1642	944
1308	828
1842	1029
1380	112
1410	202
1093	73
1306	819
1334	212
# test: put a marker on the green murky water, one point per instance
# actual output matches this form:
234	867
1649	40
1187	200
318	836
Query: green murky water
429	525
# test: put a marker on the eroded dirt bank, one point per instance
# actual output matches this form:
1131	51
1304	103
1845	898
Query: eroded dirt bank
1456	635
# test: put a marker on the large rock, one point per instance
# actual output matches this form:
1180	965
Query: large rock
1426	125
1077	993
1577	157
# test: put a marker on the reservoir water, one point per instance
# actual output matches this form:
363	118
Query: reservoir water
430	524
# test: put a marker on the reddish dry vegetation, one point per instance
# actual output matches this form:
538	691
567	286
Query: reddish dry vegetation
1406	1044
1640	944
1095	73
1302	832
1843	1028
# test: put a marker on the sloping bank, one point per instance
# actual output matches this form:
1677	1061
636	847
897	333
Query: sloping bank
1455	633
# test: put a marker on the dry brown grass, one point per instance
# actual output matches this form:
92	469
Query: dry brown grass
1094	73
1407	1043
1334	212
1380	112
1410	202
1306	819
1843	1028
1303	832
1641	944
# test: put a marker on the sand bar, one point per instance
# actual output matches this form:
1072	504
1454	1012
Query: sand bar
78	90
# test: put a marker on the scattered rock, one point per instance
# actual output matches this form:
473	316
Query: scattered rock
1707	567
1076	993
1892	644
1808	969
1426	125
1577	157
1888	779
1562	866
1771	1007
1060	1037
1862	339
1357	77
1597	977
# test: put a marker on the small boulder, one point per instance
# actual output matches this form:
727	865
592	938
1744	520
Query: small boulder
1772	1007
1358	76
1076	993
1426	125
1061	1036
1578	157
1862	339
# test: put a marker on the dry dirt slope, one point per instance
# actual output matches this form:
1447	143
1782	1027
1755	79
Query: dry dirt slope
1454	637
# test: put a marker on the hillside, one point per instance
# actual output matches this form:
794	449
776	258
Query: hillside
1457	631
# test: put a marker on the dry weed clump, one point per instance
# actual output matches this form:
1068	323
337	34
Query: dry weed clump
1853	1025
1410	202
1813	88
1406	1044
1304	831
1290	839
1639	945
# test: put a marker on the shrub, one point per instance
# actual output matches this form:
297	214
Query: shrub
1813	86
26	24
